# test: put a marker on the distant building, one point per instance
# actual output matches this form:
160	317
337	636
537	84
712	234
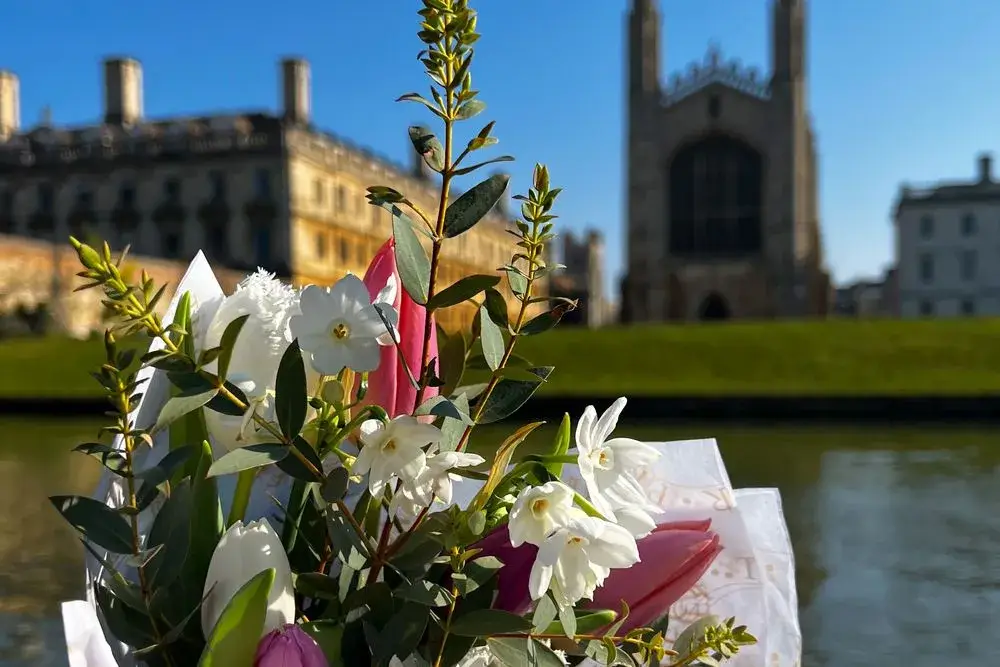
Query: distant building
947	245
867	298
582	279
252	188
722	197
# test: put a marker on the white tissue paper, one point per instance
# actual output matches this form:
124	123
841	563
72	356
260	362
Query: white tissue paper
753	578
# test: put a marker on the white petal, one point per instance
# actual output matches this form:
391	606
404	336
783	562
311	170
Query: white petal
608	421
365	459
366	323
635	520
368	428
633	453
614	547
583	430
331	358
409	429
314	299
354	291
362	354
539	579
390	292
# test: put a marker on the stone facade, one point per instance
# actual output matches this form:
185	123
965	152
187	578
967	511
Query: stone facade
723	217
583	279
250	189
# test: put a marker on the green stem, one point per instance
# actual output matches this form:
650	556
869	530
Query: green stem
241	497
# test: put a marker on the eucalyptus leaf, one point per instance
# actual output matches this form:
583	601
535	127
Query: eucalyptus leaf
172	532
426	593
492	340
293	466
545	321
245	458
401	635
328	635
428	147
290	391
462	290
466	211
96	521
480	165
439	406
509	395
411	260
451	362
181	404
336	484
317	585
496	306
224	406
126	624
110	458
521	651
477	573
228	342
233	641
517	280
484	622
453	429
471	109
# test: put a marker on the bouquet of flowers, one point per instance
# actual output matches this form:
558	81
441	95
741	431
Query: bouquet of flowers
291	480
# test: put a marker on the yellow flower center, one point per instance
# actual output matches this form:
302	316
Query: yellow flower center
389	446
603	458
576	540
539	506
341	331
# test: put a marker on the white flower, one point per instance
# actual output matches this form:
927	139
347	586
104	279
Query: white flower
578	557
393	451
242	554
607	465
435	480
635	520
253	366
385	302
339	327
540	510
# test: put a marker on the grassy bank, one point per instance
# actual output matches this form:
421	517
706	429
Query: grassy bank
889	357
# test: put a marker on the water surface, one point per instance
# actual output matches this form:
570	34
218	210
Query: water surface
896	534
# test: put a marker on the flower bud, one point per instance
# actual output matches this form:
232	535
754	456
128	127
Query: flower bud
289	646
243	553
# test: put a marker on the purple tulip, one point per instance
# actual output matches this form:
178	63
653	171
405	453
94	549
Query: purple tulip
289	646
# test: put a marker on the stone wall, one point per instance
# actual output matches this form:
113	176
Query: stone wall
36	275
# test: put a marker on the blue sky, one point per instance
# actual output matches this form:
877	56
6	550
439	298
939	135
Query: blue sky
899	89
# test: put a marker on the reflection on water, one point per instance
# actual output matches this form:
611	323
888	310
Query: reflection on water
896	535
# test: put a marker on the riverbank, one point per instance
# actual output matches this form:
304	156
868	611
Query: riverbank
904	410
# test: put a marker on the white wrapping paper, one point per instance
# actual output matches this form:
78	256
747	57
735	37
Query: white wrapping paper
752	579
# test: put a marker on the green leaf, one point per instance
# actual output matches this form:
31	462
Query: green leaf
489	622
509	395
451	362
125	623
520	651
206	526
172	531
293	466
517	280
96	521
453	429
545	613
335	486
426	593
496	306
480	165
477	573
245	458
545	321
328	635
462	290
492	340
567	621
224	406
233	641
181	404
290	391
228	342
439	406
111	458
401	635
688	639
414	266
470	109
428	147
466	211
317	585
560	445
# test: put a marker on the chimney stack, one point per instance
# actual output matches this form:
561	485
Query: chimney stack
10	105
296	93
985	168
122	91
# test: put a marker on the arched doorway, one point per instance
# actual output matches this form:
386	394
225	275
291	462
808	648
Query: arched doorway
714	307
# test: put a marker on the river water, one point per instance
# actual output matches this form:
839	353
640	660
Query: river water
896	534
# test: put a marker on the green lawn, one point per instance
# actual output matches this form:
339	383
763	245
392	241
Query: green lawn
887	357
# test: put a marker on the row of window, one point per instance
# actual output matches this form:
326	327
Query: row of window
967	227
966	307
171	188
967	261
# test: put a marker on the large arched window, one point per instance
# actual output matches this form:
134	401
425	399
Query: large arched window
716	189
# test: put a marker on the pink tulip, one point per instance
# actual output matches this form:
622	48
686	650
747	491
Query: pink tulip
289	646
673	558
389	385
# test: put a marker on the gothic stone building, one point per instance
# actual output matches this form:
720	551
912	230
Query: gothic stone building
251	189
721	182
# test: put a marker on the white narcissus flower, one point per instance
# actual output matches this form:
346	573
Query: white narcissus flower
578	557
242	554
540	510
393	451
340	327
256	355
607	465
433	483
